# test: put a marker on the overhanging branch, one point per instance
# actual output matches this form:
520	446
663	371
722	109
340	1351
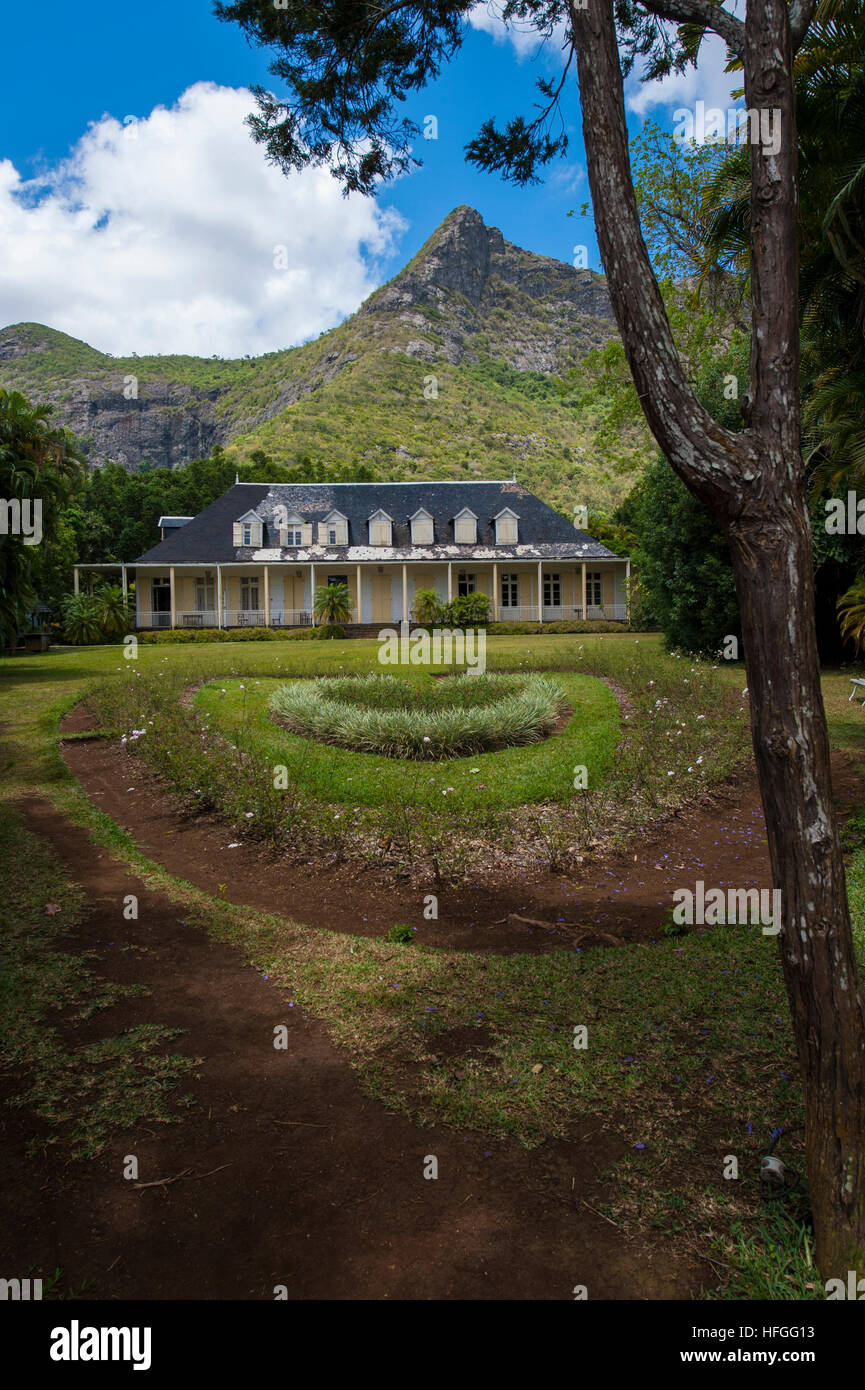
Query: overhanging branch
704	12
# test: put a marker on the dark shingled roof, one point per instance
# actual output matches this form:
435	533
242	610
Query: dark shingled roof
543	533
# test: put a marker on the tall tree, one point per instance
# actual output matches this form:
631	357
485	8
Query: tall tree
348	66
39	468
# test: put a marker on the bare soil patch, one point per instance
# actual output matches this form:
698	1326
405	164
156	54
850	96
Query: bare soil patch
285	1172
619	893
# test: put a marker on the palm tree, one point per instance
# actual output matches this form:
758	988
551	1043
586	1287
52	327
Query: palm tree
114	608
83	619
830	116
333	604
851	611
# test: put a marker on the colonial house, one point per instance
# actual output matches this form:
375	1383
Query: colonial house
257	555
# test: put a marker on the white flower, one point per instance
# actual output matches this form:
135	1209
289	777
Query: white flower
235	845
426	738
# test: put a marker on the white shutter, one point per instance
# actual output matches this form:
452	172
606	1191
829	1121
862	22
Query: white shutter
322	533
306	530
237	537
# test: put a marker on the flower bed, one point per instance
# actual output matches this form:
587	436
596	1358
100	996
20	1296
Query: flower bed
385	715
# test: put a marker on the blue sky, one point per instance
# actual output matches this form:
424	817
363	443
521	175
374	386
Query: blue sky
103	214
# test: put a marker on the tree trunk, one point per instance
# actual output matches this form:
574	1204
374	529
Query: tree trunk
754	482
774	580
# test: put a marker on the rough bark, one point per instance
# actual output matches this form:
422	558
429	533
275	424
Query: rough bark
755	484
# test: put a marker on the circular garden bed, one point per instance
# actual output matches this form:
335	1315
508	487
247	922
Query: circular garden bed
448	718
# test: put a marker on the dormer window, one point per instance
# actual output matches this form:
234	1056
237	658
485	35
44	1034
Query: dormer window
421	527
248	530
507	524
333	530
466	527
380	529
290	526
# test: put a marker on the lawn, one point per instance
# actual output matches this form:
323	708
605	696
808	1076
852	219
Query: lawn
690	1049
495	780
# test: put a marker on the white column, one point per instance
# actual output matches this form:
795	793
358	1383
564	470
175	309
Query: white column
123	580
585	614
312	594
450	581
267	596
628	589
173	601
359	595
75	580
405	593
219	596
495	602
540	591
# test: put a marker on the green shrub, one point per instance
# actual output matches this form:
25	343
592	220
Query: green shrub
427	607
401	934
174	636
545	629
469	610
462	723
329	630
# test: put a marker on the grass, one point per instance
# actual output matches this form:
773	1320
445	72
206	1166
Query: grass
81	1093
690	1054
451	719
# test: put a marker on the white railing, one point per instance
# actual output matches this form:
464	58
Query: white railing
204	617
558	613
518	613
147	618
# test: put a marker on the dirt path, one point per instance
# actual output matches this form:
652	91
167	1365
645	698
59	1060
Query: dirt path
626	894
297	1177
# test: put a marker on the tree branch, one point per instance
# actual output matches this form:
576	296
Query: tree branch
801	14
707	13
714	462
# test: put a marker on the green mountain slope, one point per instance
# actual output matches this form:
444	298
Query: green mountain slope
448	370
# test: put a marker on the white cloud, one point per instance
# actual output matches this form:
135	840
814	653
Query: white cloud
159	236
708	83
524	38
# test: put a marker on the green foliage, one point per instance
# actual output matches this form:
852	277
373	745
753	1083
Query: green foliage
684	564
377	714
332	604
97	617
467	610
851	607
427	606
551	629
40	468
401	934
330	631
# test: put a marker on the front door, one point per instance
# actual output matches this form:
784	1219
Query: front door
381	601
